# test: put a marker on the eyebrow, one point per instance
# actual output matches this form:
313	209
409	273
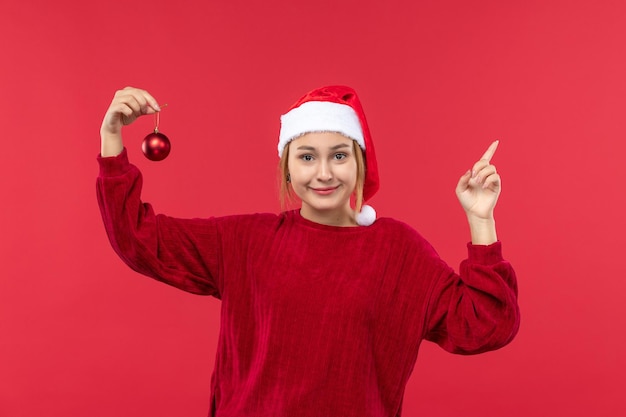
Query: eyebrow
332	148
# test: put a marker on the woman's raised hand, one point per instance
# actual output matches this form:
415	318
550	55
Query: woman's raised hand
127	105
479	188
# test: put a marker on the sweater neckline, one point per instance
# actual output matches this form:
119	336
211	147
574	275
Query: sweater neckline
297	217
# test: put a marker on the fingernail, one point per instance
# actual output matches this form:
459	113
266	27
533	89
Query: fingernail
473	174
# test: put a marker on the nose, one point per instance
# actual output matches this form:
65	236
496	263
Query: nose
324	172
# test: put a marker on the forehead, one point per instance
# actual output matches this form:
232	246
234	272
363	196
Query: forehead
321	140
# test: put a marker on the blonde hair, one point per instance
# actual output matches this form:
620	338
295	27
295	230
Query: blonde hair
287	198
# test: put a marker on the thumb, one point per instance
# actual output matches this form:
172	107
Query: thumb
463	183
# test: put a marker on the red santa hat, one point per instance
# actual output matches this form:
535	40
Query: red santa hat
334	109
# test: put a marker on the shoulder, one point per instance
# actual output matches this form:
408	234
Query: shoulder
397	228
401	235
249	221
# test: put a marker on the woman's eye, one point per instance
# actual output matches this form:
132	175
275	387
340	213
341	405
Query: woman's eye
307	157
340	156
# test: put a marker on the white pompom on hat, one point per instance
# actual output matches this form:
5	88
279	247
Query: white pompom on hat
334	109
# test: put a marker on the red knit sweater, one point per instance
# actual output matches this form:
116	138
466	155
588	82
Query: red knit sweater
316	320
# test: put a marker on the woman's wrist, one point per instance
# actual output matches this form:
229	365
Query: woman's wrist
111	145
482	230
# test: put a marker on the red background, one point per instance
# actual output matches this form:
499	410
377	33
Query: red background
81	334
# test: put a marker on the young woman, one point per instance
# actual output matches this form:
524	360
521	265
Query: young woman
323	308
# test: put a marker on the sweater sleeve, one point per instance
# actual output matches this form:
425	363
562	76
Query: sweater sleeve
180	252
478	311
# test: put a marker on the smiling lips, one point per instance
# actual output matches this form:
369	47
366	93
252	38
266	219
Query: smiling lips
325	190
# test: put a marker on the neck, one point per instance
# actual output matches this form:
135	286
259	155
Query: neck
340	218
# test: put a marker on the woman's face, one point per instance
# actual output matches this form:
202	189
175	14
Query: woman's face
323	172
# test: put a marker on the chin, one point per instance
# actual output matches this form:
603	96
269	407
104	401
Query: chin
328	206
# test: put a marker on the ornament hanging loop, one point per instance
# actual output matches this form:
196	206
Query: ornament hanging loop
157	118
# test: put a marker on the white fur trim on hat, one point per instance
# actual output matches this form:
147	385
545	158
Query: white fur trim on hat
319	116
367	216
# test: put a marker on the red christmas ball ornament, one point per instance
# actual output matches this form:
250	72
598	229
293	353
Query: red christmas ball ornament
156	146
